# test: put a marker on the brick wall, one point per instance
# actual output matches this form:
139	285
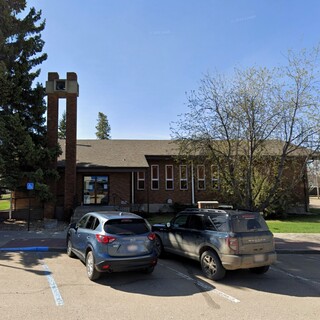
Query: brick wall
120	184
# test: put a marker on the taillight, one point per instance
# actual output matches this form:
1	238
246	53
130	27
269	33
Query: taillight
233	244
151	236
104	239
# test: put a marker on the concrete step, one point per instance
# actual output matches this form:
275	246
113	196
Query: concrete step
82	210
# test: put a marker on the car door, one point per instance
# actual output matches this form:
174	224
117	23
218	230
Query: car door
176	233
193	236
79	238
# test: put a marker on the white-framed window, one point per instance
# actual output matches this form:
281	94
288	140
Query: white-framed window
201	177
154	177
183	170
215	181
140	180
169	177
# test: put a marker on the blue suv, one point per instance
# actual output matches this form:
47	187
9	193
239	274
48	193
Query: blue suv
112	242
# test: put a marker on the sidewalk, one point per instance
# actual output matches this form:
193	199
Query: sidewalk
15	237
304	243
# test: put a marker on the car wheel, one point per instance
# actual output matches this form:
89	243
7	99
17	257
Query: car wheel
159	247
148	270
211	266
92	272
260	270
69	249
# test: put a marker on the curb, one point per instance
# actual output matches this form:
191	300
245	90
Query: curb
297	251
33	249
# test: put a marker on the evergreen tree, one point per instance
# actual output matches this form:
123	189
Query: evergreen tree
62	130
23	149
103	127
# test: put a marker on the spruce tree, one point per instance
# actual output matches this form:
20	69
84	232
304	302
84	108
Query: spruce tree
62	129
103	127
23	148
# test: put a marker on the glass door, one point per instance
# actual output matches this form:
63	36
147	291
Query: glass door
96	190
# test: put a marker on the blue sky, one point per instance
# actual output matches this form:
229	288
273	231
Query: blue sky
137	59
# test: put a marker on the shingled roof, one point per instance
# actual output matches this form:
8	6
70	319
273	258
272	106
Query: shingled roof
119	153
133	153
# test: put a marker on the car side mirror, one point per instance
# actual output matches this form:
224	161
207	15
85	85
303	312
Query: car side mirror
74	225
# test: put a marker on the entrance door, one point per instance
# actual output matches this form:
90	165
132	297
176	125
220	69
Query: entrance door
96	190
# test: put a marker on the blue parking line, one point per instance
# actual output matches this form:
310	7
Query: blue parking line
34	249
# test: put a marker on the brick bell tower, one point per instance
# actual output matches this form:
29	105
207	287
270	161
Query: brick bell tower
68	89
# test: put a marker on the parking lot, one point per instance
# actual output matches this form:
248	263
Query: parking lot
36	285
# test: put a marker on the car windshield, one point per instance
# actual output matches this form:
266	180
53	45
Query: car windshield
248	223
126	226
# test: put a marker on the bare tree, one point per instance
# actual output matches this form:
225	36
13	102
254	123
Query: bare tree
254	127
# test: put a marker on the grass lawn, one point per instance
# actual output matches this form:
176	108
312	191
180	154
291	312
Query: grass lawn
5	202
160	218
296	224
293	224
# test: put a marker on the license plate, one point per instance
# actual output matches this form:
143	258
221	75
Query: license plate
132	247
259	258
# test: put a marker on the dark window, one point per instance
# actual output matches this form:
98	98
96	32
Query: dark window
201	177
140	180
220	223
215	177
180	222
82	223
126	226
195	222
154	177
183	177
92	223
248	223
169	177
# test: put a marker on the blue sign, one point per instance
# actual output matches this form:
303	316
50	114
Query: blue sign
30	186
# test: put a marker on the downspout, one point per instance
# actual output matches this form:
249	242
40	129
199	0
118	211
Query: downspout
148	188
132	188
192	185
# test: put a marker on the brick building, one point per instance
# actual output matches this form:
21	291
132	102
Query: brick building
142	174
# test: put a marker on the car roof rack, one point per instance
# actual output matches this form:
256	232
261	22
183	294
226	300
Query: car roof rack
204	210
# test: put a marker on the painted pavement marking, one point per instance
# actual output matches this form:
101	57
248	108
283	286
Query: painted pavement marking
202	285
317	283
53	286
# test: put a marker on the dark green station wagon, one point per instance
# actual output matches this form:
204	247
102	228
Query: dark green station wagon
219	239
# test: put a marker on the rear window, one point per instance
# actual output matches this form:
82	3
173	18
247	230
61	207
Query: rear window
126	226
248	223
217	223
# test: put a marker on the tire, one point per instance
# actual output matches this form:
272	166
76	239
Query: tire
148	270
69	249
260	270
92	272
211	266
159	246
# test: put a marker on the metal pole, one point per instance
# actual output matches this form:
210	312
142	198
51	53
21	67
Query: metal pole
29	215
10	210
